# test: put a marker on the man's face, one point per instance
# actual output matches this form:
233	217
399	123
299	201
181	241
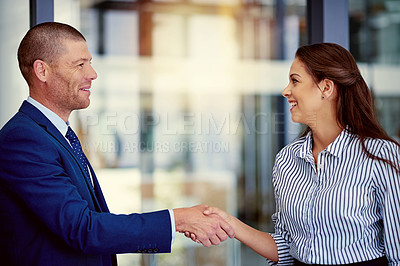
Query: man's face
70	78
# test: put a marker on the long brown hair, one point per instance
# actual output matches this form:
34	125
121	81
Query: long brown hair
355	105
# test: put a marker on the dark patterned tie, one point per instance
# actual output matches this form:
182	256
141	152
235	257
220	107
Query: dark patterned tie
77	148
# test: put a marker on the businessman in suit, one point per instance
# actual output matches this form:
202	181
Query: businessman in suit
52	209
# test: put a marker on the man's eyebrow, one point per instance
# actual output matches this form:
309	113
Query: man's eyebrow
82	59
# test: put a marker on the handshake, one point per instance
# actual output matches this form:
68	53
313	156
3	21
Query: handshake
203	224
210	226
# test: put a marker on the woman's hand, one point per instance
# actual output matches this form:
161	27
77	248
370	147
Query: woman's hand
261	242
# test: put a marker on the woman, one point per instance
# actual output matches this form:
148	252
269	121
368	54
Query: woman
336	186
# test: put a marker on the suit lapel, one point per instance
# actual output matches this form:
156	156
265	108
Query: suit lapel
36	115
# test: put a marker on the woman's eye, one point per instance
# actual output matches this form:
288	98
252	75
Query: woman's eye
294	81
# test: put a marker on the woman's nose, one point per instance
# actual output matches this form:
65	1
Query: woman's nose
286	92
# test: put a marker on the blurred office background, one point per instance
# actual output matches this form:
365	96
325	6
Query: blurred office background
187	108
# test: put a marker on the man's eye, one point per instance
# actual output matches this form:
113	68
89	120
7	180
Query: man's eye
81	65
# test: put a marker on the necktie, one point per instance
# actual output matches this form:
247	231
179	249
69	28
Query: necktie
77	148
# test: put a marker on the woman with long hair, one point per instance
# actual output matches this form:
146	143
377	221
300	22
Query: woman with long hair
337	185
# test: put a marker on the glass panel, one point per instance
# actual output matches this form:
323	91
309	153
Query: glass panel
375	43
187	109
14	22
169	35
217	2
212	37
119	40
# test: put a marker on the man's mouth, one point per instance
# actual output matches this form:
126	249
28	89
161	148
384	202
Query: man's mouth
86	88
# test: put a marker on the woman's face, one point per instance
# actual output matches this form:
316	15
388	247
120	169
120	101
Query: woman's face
303	94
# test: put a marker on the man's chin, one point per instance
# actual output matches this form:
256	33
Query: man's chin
83	105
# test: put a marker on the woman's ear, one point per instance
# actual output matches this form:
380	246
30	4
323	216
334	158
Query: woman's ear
40	70
329	89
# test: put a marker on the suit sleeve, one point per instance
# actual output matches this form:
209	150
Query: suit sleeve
32	169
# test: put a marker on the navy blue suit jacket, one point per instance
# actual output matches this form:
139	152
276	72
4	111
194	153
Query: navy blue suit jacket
50	215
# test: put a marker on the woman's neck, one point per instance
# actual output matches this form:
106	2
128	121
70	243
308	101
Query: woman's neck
323	135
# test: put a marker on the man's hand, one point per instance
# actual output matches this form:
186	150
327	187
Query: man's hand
213	211
224	215
209	229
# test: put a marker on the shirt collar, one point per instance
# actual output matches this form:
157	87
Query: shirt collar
306	148
336	148
53	117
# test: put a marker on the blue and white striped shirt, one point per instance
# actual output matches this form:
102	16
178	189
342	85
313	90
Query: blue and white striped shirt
345	211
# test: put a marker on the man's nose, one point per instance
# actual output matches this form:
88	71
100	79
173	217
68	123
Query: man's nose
92	73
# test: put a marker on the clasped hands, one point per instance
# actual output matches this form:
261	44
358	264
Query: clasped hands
205	225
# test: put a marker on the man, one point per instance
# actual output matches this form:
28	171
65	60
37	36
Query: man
52	210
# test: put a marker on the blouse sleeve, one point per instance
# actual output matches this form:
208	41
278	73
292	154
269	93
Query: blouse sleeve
388	187
284	258
281	236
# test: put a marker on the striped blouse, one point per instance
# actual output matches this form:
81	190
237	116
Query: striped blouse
344	210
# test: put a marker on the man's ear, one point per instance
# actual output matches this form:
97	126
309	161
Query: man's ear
329	88
40	70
